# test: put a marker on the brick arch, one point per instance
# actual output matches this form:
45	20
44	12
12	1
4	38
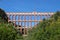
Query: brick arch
24	28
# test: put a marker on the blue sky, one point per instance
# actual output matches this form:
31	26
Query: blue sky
30	5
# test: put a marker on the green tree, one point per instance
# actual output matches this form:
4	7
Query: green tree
46	30
3	16
7	30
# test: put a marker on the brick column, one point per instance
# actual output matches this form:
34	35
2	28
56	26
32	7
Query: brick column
24	23
40	17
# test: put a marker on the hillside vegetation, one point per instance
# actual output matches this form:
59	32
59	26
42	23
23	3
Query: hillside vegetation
49	29
7	30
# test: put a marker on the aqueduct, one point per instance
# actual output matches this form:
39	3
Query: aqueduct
27	20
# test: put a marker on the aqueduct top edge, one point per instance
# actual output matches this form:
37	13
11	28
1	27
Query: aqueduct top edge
36	13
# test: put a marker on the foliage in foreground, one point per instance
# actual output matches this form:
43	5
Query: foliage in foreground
49	29
7	30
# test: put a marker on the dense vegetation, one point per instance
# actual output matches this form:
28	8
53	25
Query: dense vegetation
7	30
49	29
3	16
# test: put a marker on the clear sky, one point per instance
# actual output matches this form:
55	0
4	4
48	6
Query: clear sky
30	5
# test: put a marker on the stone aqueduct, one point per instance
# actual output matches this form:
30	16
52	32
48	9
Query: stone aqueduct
23	29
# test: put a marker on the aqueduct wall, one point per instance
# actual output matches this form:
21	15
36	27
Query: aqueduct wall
29	17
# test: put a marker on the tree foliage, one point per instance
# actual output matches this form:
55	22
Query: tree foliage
7	30
3	15
46	30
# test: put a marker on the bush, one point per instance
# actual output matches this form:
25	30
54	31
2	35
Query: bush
7	32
